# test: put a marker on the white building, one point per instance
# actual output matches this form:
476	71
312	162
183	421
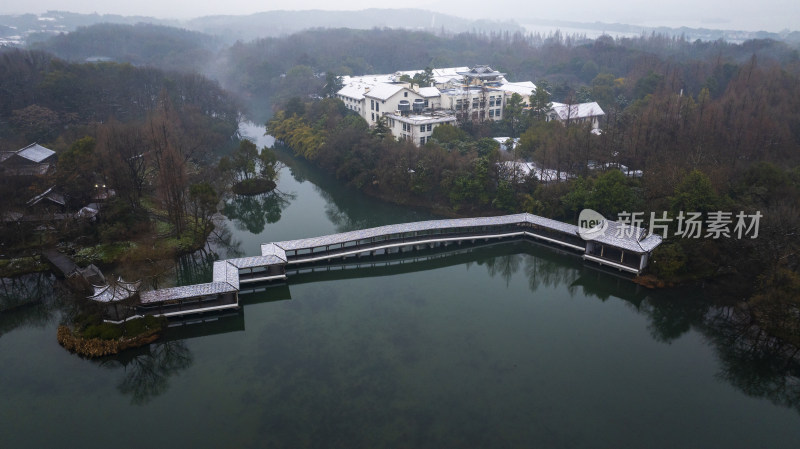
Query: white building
577	113
525	89
382	99
458	94
417	127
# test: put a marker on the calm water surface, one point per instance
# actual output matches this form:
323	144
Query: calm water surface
510	345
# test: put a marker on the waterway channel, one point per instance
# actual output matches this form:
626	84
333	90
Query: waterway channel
503	346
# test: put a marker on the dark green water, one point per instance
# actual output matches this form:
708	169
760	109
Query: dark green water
506	346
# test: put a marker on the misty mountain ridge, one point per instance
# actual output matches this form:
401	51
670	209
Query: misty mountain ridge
27	28
279	23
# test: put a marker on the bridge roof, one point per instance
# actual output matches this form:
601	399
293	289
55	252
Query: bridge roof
271	249
334	239
189	291
225	280
628	237
226	272
256	261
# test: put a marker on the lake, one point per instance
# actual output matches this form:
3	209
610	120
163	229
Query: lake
504	346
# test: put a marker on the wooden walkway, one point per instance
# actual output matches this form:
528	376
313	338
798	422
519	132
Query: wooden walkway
62	265
627	251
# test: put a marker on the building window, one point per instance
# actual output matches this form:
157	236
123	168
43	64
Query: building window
422	141
405	94
373	116
372	105
491	112
429	127
426	103
422	128
377	107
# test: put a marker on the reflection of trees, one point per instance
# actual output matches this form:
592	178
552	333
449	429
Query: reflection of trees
28	300
505	266
750	359
346	220
673	316
27	289
253	212
195	268
221	241
347	208
147	370
753	361
549	273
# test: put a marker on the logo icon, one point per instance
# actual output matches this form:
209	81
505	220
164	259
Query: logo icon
591	224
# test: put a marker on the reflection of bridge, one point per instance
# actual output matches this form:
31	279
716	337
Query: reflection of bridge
622	248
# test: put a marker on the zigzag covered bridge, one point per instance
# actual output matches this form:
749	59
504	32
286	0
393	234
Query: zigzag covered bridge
623	247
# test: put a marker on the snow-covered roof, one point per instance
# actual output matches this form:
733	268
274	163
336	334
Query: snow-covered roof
482	72
384	91
502	141
592	165
187	292
49	194
119	291
87	212
538	172
448	74
449	71
445	225
226	272
628	237
429	92
354	90
35	153
423	119
577	111
523	88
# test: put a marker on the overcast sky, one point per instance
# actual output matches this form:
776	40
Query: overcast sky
769	15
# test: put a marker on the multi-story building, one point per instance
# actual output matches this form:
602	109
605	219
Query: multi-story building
456	95
417	127
412	112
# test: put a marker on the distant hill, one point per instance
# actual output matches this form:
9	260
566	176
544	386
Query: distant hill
28	28
279	23
142	44
37	27
594	29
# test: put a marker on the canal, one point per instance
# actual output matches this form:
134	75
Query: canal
503	346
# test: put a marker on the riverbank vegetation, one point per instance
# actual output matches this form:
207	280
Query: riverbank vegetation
90	337
685	135
709	125
251	172
135	176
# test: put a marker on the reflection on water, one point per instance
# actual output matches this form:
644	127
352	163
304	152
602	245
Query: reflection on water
253	212
30	300
345	207
499	345
147	370
755	363
751	361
